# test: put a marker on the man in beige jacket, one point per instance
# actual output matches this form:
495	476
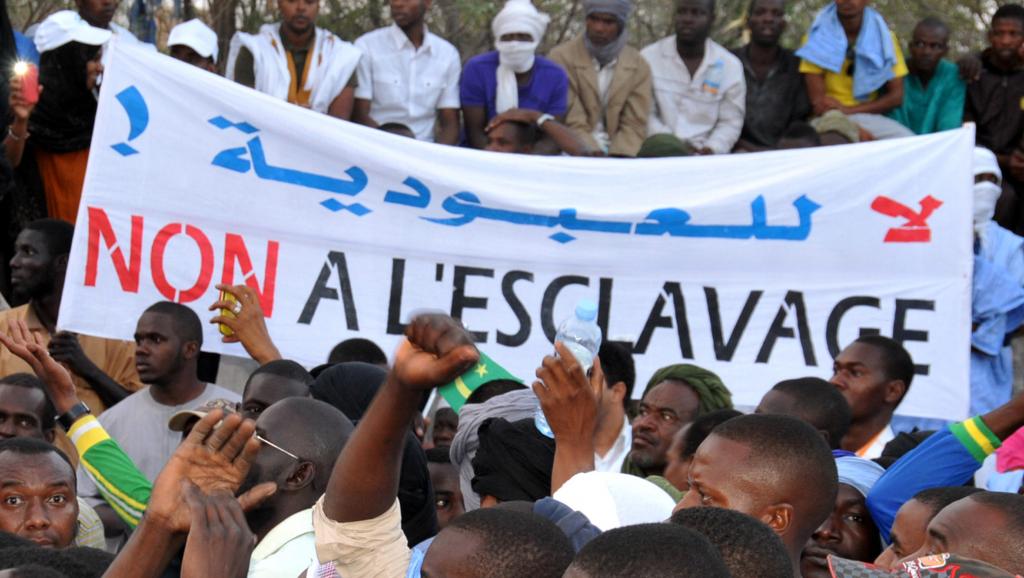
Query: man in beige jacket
609	82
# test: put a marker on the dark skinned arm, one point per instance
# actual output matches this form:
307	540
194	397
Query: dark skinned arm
364	482
341	106
474	118
820	103
147	553
361	113
65	348
1006	419
448	126
890	99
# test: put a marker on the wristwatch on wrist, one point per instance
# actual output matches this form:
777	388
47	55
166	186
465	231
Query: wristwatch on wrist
68	419
543	119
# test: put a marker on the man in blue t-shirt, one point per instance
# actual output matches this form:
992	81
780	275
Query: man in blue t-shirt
513	76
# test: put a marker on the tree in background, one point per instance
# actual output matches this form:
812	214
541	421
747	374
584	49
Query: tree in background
466	23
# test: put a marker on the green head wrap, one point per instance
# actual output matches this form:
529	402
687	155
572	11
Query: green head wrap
709	387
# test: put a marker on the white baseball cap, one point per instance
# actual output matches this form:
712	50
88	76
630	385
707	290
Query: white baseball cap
67	26
197	36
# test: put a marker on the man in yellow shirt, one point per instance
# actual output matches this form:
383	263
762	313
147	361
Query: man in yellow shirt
853	63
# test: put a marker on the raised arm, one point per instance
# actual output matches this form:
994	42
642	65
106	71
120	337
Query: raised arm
364	482
570	402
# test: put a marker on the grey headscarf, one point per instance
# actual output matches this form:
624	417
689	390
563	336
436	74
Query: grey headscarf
621	9
513	406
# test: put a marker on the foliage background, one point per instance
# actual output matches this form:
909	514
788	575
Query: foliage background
466	23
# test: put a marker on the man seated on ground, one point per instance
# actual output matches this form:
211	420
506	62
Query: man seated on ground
271	383
933	94
103	369
513	76
408	75
649	550
985	526
699	91
776	95
775	468
675	396
195	43
812	400
297	61
38	492
168	338
911	524
609	82
873	374
748	547
993	105
357	522
865	80
521	130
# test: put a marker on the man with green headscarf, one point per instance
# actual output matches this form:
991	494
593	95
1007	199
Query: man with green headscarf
675	396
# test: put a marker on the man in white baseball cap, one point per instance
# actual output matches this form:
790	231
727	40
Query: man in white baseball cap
195	43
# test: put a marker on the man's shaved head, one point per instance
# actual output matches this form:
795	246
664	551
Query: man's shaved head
775	468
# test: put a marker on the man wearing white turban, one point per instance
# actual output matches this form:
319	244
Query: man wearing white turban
513	76
609	82
997	294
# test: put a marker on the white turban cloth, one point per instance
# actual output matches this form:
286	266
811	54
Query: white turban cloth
986	193
517	17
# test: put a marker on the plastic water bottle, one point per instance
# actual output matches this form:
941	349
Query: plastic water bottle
582	336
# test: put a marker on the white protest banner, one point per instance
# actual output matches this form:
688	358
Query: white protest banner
758	267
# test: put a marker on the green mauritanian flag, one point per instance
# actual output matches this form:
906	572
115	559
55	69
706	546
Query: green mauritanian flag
456	392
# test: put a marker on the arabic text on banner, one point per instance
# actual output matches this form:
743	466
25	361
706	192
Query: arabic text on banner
758	267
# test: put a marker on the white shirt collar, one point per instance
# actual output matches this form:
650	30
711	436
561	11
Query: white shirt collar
612	461
401	40
295	526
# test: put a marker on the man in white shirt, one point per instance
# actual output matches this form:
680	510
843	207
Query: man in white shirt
699	88
613	438
167	342
873	373
409	76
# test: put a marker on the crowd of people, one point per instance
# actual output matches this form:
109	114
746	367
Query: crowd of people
125	459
